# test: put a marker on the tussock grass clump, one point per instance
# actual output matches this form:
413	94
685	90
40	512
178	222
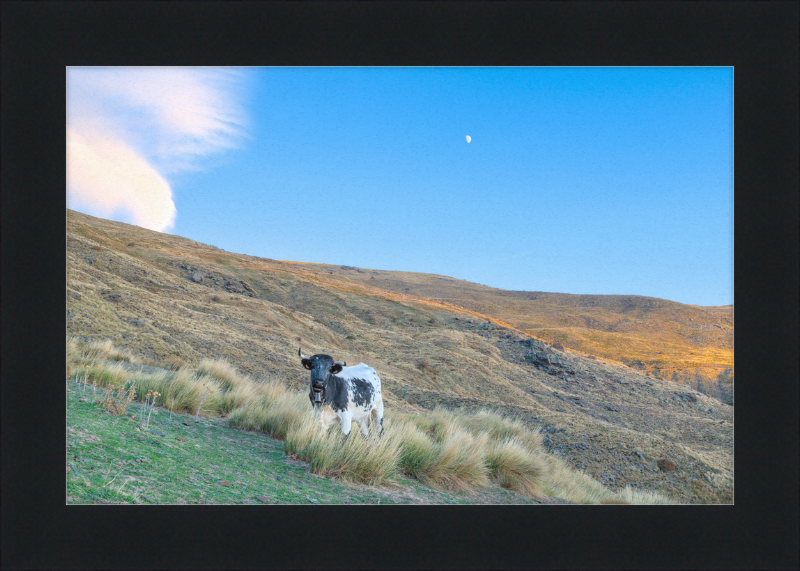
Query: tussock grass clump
173	363
148	384
460	451
108	375
565	482
436	450
239	397
417	451
187	389
434	424
275	413
515	467
223	372
358	459
643	497
461	462
502	429
247	417
80	352
284	414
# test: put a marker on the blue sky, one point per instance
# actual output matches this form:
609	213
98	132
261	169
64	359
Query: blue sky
576	180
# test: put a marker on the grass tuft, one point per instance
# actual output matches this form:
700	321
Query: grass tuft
223	372
515	468
355	458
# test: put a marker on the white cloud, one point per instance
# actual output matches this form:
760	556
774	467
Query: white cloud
107	175
128	128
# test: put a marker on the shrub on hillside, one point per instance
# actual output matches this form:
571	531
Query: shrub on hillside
173	363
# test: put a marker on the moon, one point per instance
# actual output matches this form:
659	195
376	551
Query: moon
469	138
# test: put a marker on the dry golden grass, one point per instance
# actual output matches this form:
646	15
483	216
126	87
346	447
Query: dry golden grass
359	459
173	363
565	482
515	468
223	372
80	351
108	374
502	429
644	497
453	451
417	450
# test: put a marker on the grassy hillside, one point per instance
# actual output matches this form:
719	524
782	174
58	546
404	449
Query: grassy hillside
439	457
685	344
170	301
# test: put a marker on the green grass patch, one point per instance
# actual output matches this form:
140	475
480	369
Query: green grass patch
456	452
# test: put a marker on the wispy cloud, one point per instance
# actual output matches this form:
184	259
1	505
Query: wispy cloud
130	127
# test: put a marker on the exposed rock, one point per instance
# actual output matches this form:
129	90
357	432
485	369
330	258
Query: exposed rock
534	344
137	323
197	277
76	295
263	499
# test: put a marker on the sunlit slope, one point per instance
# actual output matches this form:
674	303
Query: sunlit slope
674	341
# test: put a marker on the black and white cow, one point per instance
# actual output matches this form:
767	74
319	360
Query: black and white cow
344	393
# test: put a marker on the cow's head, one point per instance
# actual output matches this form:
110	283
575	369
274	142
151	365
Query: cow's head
321	367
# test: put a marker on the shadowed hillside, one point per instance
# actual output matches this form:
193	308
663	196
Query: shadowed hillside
434	341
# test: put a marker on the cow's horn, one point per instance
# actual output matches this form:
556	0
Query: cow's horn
343	364
299	354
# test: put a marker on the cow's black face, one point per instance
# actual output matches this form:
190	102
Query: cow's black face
321	366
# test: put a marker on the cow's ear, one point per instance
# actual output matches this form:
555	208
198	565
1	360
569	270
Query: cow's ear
336	368
306	363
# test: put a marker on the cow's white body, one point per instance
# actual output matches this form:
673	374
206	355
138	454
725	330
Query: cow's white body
355	408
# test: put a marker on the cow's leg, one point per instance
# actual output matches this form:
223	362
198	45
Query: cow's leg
347	421
379	414
365	426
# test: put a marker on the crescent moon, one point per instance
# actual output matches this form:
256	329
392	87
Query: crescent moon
469	138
